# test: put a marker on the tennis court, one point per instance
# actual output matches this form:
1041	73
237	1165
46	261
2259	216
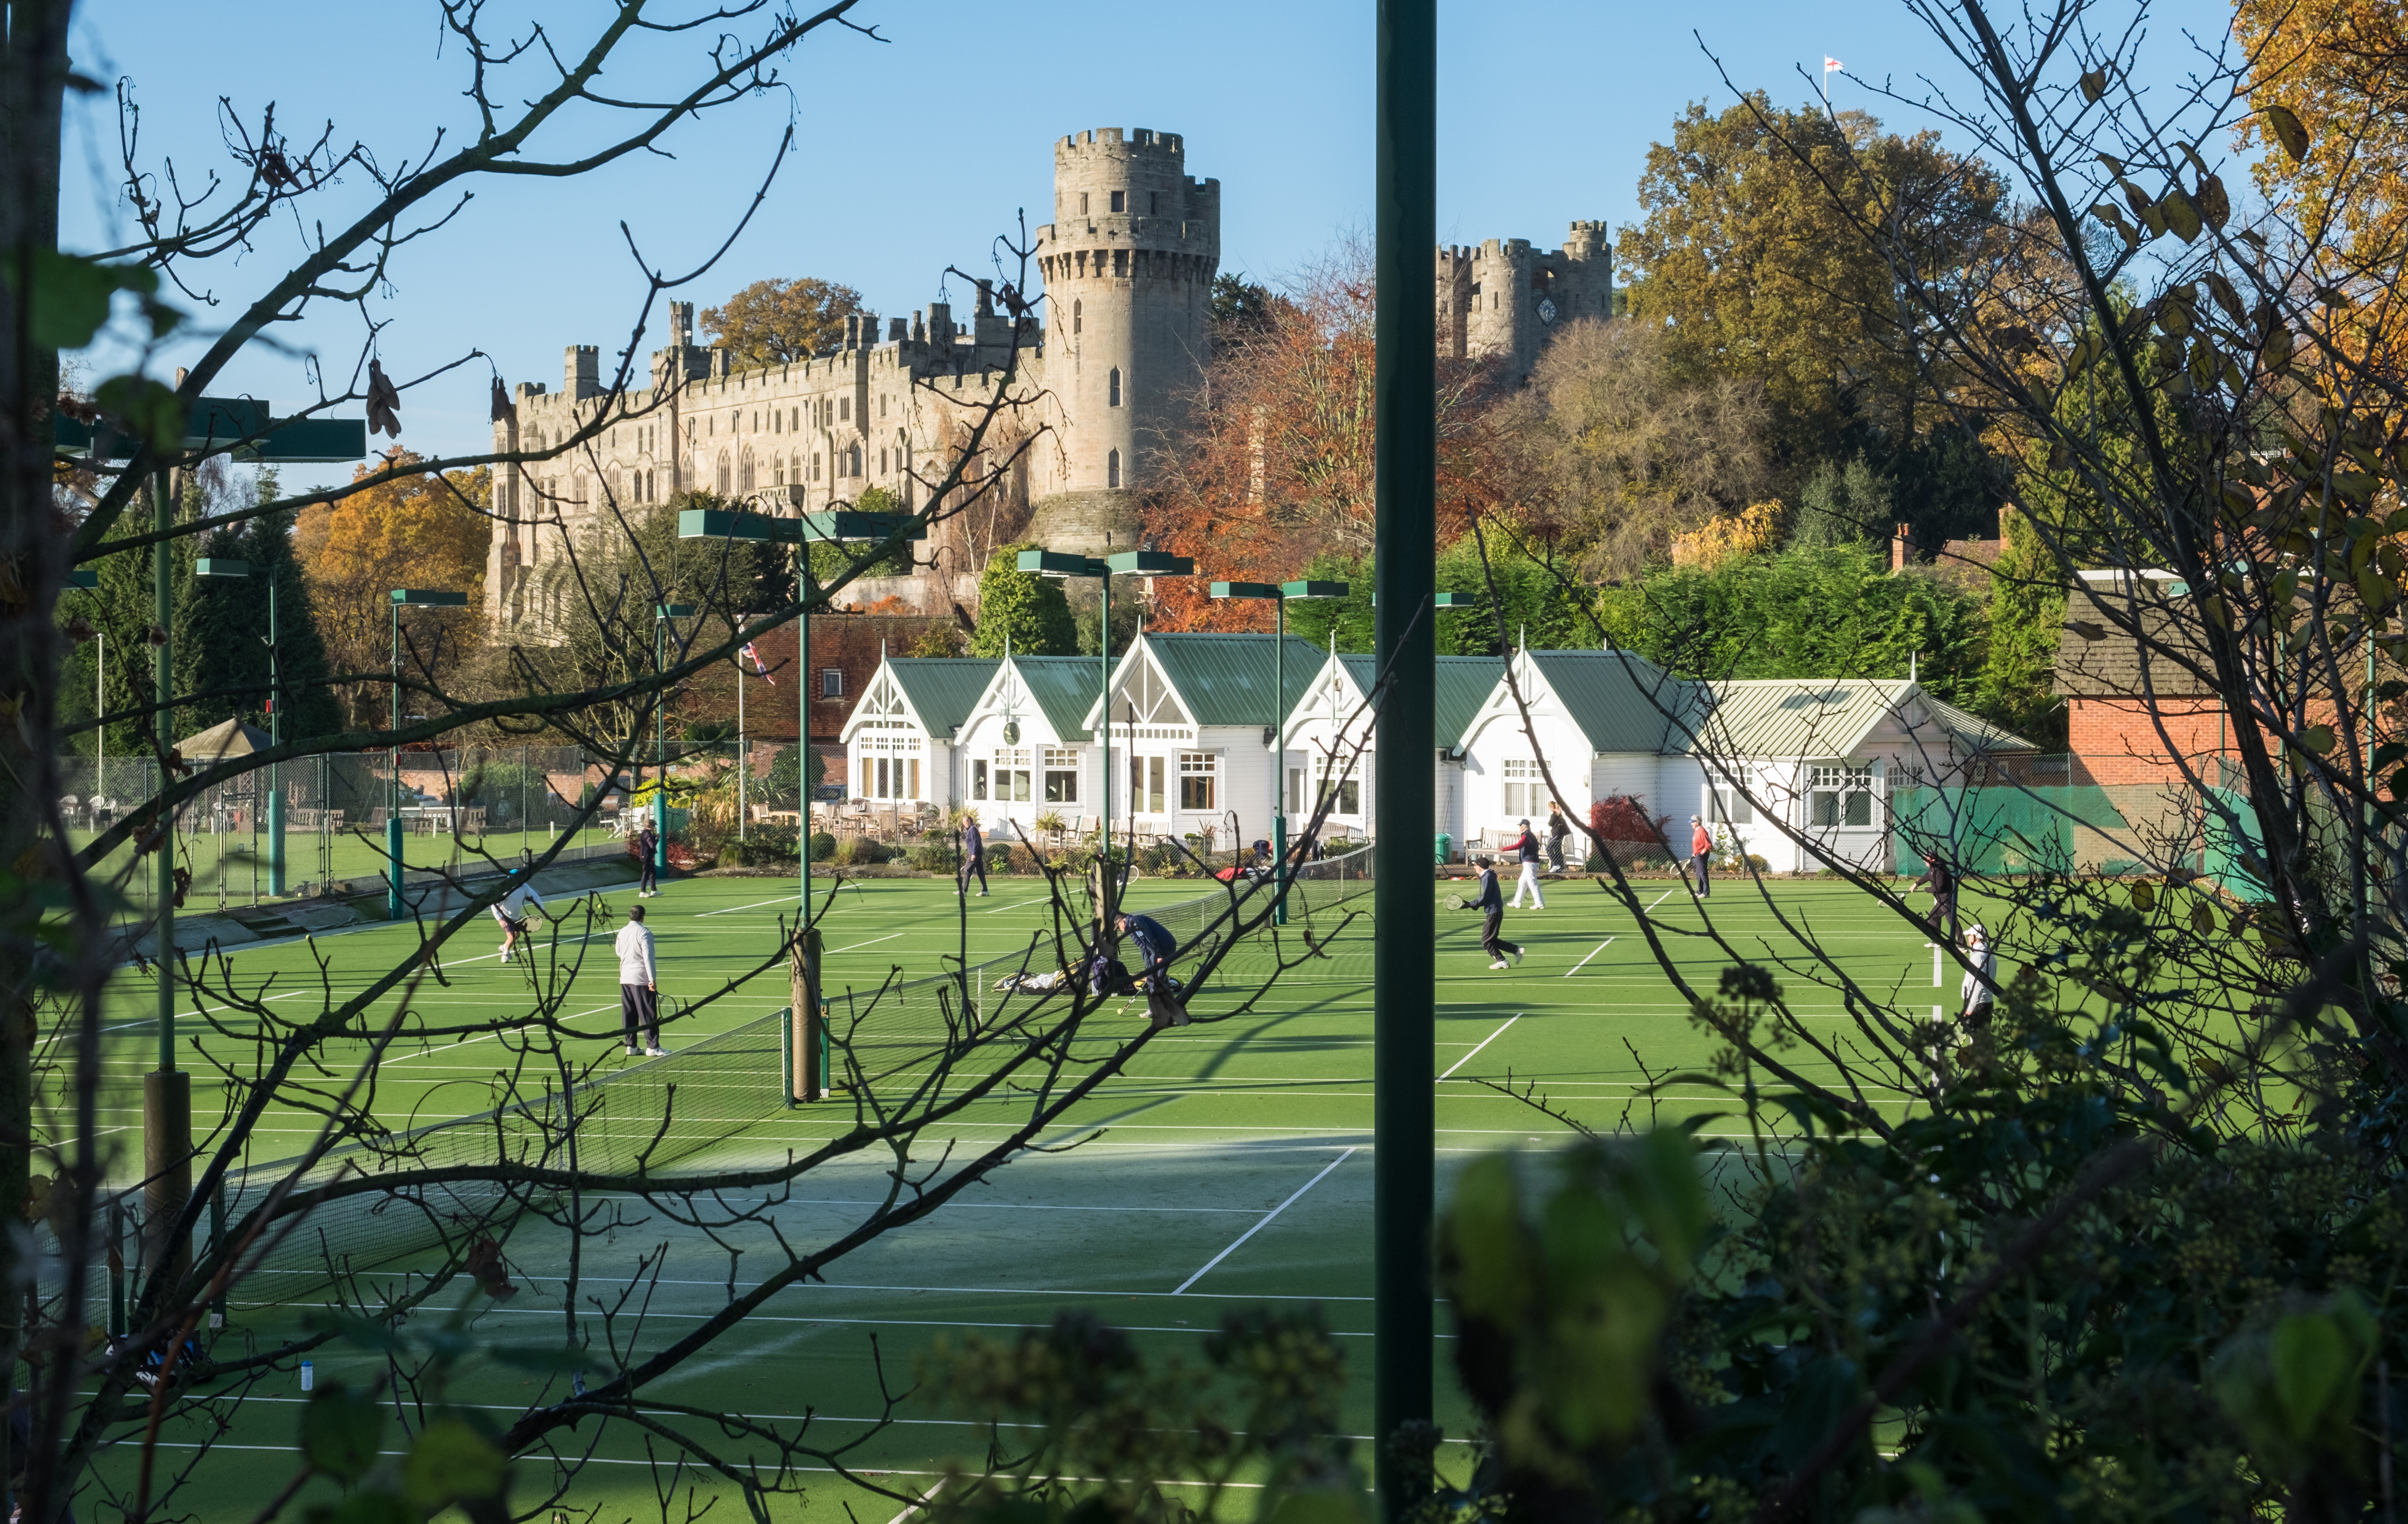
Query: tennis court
1229	1164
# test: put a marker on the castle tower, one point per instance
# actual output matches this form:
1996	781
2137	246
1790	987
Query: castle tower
1128	263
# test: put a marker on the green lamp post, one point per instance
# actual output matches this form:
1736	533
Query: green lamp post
801	530
662	614
1125	563
1279	594
403	597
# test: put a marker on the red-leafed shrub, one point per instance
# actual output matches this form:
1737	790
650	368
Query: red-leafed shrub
683	857
1621	817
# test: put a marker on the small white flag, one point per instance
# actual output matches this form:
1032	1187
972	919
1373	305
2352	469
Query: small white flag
1830	63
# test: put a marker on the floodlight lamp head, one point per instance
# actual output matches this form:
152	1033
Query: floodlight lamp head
218	566
428	597
1451	600
1312	590
672	610
1244	590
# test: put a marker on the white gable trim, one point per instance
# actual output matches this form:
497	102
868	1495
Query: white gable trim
886	706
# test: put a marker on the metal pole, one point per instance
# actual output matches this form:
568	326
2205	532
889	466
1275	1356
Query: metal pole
1104	838
166	1093
660	754
1404	1114
392	901
275	738
743	754
1279	765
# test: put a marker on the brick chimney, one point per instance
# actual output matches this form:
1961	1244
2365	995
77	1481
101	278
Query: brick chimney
1899	548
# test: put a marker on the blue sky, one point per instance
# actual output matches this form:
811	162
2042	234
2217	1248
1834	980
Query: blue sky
915	153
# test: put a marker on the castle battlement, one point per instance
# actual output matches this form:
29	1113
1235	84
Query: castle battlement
1128	266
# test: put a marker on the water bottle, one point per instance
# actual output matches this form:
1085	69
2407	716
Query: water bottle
308	1376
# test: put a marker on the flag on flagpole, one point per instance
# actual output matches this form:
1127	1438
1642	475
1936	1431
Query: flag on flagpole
759	667
1829	64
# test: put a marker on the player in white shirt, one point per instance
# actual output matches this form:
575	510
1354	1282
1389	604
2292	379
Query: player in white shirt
512	910
640	986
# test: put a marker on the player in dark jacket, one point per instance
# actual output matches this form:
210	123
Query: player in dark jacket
1491	905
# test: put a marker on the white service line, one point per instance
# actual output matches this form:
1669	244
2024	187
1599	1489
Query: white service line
779	900
1583	962
1265	1221
889	937
1483	1043
914	1506
1022	905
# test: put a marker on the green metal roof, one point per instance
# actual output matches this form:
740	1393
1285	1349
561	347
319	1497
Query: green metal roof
1225	678
1464	683
1810	718
1618	699
1065	688
943	690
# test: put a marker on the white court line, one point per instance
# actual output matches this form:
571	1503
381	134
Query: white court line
1022	905
1601	946
1483	1043
1583	962
1266	1222
889	937
914	1506
779	900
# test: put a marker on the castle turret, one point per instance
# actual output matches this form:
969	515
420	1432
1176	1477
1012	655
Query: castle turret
1128	263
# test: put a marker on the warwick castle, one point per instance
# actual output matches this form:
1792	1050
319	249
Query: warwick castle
1128	266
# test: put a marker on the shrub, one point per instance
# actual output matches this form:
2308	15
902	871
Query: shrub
860	852
1623	817
823	846
932	857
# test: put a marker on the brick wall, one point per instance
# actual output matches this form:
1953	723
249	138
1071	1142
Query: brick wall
2115	741
849	643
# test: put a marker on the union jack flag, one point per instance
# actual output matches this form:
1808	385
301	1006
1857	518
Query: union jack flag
759	667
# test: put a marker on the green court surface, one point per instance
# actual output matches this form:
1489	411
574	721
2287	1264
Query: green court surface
1231	1162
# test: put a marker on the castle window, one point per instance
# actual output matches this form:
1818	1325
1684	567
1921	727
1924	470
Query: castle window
1112	469
775	422
815	466
1082	203
748	471
881	462
1119	201
882	404
844	408
1153	203
726	484
1077	315
1120	261
1112	399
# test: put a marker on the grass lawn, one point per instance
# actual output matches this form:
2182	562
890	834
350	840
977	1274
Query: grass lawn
1230	1164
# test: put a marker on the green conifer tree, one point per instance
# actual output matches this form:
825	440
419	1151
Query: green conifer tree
1028	608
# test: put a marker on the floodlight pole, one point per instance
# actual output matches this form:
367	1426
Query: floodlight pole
1126	562
392	838
275	738
166	1092
1405	455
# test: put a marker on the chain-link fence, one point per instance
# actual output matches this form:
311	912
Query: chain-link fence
458	808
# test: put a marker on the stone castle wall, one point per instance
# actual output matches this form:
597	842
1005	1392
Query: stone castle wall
1127	264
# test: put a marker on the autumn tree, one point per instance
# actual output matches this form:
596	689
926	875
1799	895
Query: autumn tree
778	322
1773	247
1629	451
1275	468
427	530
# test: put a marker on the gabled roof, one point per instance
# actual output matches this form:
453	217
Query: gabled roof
1464	683
1222	678
1063	687
1618	699
941	690
1810	718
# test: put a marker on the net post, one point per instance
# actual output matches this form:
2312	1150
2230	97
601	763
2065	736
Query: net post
786	1053
117	1268
217	1251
